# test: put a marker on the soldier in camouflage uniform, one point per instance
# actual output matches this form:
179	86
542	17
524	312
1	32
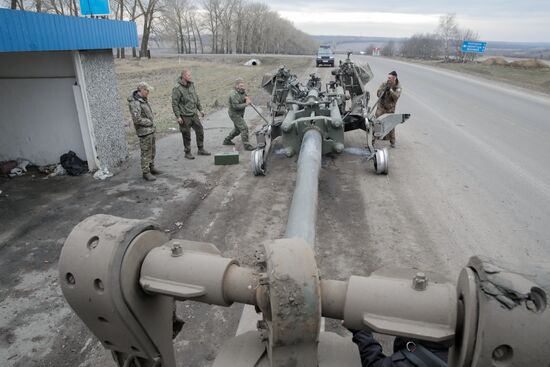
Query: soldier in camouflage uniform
238	100
388	92
142	116
187	108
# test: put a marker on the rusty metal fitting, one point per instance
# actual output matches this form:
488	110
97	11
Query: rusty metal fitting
420	281
264	280
176	249
259	258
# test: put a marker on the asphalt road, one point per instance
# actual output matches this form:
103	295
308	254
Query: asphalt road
472	166
470	175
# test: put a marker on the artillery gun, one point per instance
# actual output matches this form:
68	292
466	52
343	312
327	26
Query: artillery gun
122	277
343	105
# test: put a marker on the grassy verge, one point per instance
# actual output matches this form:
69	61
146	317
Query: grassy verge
214	77
534	79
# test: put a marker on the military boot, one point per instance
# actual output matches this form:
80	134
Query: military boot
202	151
227	141
155	171
188	155
248	146
149	177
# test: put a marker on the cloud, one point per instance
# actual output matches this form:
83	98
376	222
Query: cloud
360	17
504	20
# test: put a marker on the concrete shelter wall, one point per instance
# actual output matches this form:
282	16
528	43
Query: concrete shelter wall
38	117
101	89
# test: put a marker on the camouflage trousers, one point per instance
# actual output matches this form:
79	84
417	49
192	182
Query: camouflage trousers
148	150
192	122
239	129
391	135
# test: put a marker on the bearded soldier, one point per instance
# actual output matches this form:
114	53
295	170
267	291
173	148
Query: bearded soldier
388	94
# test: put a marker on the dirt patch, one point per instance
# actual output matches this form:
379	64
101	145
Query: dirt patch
529	64
495	61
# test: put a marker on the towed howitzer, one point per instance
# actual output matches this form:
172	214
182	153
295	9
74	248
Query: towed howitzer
122	277
341	107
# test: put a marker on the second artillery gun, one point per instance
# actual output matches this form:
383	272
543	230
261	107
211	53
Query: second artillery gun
343	105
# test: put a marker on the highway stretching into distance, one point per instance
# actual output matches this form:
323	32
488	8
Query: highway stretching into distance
478	154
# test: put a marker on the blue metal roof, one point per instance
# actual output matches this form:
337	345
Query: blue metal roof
29	31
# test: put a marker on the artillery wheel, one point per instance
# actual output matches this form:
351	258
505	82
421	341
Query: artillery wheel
257	162
381	161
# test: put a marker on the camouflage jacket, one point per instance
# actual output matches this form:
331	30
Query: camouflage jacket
185	100
142	114
237	103
388	99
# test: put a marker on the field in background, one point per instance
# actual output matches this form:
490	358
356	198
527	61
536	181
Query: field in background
214	77
533	78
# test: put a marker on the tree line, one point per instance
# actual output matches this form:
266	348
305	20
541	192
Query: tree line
197	26
445	42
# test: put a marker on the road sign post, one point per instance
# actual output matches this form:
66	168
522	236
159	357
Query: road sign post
94	7
473	46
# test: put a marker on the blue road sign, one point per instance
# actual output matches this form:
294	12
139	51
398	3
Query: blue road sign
94	7
473	46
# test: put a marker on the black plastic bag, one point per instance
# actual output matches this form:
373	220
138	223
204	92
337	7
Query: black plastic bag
72	164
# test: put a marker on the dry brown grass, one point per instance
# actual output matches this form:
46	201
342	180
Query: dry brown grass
214	77
495	61
525	64
522	75
529	64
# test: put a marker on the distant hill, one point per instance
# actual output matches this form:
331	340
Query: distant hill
342	44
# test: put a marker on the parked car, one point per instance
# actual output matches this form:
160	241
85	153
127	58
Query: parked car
325	56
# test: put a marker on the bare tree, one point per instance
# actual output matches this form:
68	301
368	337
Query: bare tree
198	30
117	8
422	46
448	32
149	9
465	35
179	25
238	26
389	49
212	21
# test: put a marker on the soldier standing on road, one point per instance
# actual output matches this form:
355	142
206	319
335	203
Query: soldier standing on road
142	116
388	94
187	108
238	100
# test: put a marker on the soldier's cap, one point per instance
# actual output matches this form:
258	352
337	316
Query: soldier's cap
239	81
144	85
393	73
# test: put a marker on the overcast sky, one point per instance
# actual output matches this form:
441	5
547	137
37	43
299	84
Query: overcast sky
494	20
